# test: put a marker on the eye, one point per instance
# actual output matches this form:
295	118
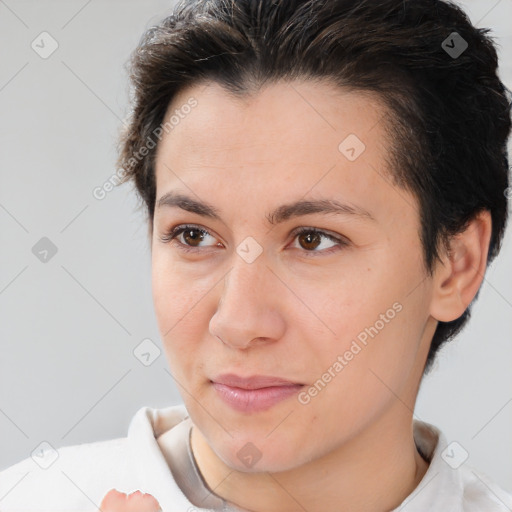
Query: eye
309	239
191	234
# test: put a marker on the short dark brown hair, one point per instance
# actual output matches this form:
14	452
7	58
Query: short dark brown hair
449	113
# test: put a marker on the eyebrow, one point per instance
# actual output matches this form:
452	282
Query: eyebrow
279	215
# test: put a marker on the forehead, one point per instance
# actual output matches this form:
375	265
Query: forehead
288	139
300	114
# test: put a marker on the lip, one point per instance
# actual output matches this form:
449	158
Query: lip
253	394
252	382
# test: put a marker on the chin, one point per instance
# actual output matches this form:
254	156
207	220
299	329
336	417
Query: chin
251	455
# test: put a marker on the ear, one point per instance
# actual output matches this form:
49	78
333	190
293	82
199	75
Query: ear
457	279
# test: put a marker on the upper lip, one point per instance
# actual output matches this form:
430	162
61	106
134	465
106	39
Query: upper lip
252	382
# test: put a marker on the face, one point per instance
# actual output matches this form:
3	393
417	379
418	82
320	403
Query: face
341	308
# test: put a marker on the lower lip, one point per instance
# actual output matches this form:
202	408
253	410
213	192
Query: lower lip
254	400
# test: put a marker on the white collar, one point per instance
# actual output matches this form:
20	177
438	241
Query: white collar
441	488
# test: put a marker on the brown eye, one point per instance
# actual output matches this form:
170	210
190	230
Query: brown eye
193	236
310	240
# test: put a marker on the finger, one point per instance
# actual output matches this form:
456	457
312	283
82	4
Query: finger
116	501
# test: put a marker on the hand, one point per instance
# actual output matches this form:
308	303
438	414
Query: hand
115	501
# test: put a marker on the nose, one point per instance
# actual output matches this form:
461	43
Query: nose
249	310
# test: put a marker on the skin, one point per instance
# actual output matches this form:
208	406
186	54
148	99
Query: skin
289	315
116	501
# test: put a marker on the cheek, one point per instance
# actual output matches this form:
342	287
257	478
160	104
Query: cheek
375	366
372	329
343	304
175	304
175	293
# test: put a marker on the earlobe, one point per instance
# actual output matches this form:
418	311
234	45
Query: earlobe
459	277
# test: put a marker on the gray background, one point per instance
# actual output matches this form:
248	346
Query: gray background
68	327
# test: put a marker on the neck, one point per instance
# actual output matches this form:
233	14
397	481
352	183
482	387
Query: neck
374	471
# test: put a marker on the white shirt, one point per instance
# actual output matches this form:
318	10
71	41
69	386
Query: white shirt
82	474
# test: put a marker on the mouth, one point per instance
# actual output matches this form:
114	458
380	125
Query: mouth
253	394
253	382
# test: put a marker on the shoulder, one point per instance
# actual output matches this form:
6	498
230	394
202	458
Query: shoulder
78	476
481	493
451	483
64	476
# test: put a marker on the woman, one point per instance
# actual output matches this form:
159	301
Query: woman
325	186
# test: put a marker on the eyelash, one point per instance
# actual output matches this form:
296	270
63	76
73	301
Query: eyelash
176	231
